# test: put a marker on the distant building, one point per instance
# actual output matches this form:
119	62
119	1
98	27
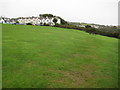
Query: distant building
2	20
95	26
81	25
39	20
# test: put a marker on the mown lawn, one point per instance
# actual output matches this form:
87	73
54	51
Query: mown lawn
51	57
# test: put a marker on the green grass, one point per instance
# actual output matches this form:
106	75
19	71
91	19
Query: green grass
51	57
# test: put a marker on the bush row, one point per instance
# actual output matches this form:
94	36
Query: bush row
109	31
69	26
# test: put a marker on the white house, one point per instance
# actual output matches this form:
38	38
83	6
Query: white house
95	26
2	20
38	20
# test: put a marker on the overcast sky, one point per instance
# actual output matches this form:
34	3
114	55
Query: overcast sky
89	11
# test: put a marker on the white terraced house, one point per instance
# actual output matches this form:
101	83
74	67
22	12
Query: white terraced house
5	20
38	20
44	19
2	20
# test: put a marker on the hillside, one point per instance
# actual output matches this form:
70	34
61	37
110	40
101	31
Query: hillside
51	57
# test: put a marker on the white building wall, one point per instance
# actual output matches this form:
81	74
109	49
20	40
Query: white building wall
59	21
38	21
2	21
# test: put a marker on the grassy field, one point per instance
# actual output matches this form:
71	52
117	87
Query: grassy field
51	57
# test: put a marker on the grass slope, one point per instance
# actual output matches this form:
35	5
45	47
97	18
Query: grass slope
51	57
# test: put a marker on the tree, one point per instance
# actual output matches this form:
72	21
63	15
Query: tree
46	15
55	20
17	22
88	26
90	29
29	23
63	21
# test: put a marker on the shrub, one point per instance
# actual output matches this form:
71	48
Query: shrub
41	23
29	24
105	31
57	25
17	22
45	24
109	31
90	30
69	26
88	26
55	20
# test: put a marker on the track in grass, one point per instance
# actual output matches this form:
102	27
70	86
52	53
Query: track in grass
51	57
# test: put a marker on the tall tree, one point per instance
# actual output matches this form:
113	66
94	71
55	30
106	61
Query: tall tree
55	20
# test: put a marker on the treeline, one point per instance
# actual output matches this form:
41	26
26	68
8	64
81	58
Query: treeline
69	26
46	15
110	31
